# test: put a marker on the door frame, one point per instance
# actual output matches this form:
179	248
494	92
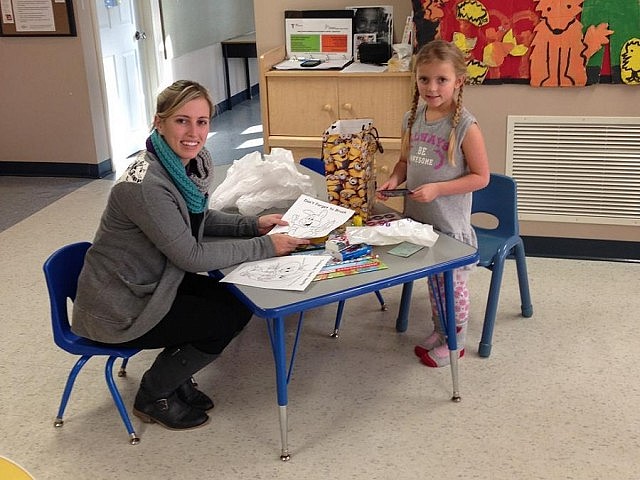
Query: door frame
148	20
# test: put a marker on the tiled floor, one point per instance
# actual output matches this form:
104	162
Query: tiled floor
557	399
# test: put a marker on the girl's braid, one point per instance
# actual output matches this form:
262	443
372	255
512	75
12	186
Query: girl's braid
405	146
455	121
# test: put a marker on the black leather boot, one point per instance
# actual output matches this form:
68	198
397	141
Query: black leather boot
189	394
170	411
158	399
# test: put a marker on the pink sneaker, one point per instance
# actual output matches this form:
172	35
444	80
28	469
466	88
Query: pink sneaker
434	340
439	357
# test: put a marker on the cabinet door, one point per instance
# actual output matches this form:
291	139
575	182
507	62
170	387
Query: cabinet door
301	106
385	99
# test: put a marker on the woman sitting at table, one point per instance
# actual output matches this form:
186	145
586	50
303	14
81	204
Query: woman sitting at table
140	286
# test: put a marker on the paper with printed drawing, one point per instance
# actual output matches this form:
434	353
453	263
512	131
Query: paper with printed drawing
293	272
309	217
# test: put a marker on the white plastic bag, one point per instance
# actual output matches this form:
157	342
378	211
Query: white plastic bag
400	61
397	231
254	184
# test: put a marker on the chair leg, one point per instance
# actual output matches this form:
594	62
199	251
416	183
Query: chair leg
117	398
405	303
383	306
73	374
123	368
523	281
484	349
336	327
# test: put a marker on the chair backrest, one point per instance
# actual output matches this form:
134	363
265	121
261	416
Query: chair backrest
61	271
315	164
499	199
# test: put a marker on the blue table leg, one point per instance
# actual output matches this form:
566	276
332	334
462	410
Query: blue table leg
276	334
405	303
450	326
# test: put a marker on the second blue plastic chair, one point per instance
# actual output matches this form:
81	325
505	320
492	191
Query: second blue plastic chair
499	199
317	165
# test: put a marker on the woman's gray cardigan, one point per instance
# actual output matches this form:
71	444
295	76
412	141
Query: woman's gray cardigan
142	249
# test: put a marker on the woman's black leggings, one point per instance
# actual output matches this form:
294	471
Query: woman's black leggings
204	314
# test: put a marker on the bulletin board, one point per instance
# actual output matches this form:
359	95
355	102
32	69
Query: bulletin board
37	18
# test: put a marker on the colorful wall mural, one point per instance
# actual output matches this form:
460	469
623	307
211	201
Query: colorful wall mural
544	43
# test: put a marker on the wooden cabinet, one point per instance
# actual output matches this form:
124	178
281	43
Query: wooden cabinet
297	106
304	105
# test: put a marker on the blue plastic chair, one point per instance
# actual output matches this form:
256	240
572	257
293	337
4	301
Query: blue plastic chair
317	165
61	271
499	199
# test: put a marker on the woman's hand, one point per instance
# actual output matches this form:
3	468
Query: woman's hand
285	244
282	243
267	222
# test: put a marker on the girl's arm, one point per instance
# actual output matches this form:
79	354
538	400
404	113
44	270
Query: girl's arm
475	153
398	176
399	173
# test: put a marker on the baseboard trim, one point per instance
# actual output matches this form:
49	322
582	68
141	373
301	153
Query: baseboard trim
236	99
103	169
46	169
581	248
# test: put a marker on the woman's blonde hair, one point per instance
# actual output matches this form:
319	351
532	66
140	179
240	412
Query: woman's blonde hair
179	93
436	51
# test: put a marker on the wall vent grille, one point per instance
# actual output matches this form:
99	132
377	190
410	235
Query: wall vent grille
576	169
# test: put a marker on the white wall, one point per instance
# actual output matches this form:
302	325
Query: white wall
207	67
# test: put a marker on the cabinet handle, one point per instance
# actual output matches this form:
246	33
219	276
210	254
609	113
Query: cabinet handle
384	169
327	107
347	106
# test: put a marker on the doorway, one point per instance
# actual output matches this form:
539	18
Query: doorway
128	64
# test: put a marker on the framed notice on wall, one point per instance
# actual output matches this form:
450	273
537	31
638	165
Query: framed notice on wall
37	18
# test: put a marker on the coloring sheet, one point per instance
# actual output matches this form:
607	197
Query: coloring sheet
309	217
294	272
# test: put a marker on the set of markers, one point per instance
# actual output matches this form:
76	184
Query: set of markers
342	268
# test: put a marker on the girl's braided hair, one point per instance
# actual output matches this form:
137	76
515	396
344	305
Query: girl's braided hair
436	51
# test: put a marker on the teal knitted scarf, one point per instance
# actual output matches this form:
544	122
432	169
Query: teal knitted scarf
194	194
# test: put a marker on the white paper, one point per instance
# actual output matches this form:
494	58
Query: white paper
7	11
357	67
34	16
327	63
293	272
309	217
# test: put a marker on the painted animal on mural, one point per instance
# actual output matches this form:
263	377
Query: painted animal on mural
630	62
559	50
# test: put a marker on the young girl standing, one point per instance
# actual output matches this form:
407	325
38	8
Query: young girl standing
443	159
